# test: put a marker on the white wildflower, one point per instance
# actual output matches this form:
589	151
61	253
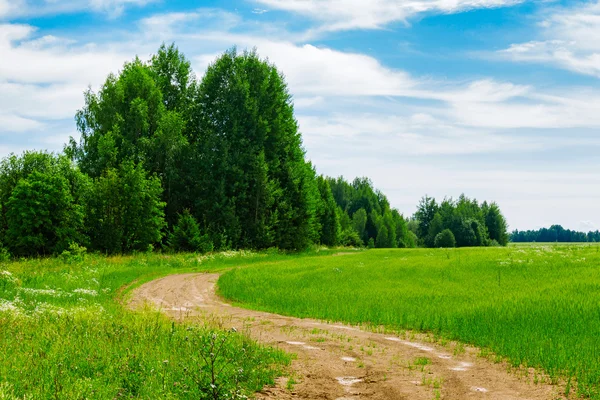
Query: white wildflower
87	292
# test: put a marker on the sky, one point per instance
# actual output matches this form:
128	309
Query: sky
496	99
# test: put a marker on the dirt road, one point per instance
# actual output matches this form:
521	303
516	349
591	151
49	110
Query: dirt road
346	363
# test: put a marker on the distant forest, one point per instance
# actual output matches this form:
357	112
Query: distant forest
555	233
168	161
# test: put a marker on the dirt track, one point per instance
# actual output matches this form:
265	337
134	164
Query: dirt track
345	363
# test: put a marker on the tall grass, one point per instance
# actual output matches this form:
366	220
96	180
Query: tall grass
539	306
64	334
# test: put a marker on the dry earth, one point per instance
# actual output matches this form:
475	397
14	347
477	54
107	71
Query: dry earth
341	362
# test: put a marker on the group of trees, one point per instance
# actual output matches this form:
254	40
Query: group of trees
555	233
47	205
462	222
220	159
166	159
366	217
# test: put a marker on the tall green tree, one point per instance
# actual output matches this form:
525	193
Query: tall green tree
426	211
327	212
496	224
255	188
141	115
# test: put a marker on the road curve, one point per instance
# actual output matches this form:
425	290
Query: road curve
340	362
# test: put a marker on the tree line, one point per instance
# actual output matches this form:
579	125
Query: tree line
167	160
555	233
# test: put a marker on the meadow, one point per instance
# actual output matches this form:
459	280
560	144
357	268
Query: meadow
535	306
65	334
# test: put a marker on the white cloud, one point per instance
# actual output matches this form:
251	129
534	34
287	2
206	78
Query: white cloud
29	8
338	15
10	122
568	39
43	60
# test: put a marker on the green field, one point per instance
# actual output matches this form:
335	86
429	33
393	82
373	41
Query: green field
536	305
65	335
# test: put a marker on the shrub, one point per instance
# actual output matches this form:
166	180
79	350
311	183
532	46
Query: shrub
371	243
76	253
351	238
445	239
186	235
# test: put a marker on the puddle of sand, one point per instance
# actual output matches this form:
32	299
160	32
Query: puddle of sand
444	356
349	359
311	348
479	389
296	343
348	328
463	366
348	380
410	344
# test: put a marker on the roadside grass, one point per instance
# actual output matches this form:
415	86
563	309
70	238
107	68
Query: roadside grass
64	333
537	305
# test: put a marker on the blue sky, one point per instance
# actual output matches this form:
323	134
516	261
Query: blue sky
497	99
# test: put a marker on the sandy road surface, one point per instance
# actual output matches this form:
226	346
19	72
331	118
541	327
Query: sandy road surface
340	362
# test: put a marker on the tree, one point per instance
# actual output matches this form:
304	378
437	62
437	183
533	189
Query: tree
42	216
140	115
359	223
186	235
42	197
445	239
435	227
496	224
125	212
254	186
404	237
327	213
426	211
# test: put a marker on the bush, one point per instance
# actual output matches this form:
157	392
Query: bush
350	238
445	239
371	243
186	235
76	253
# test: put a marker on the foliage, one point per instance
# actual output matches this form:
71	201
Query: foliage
254	183
555	233
75	253
327	213
471	223
186	235
445	239
535	305
367	211
42	200
125	212
350	238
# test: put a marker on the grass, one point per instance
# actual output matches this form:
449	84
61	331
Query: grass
536	305
64	334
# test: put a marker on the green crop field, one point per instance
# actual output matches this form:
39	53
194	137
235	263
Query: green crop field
537	305
65	335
